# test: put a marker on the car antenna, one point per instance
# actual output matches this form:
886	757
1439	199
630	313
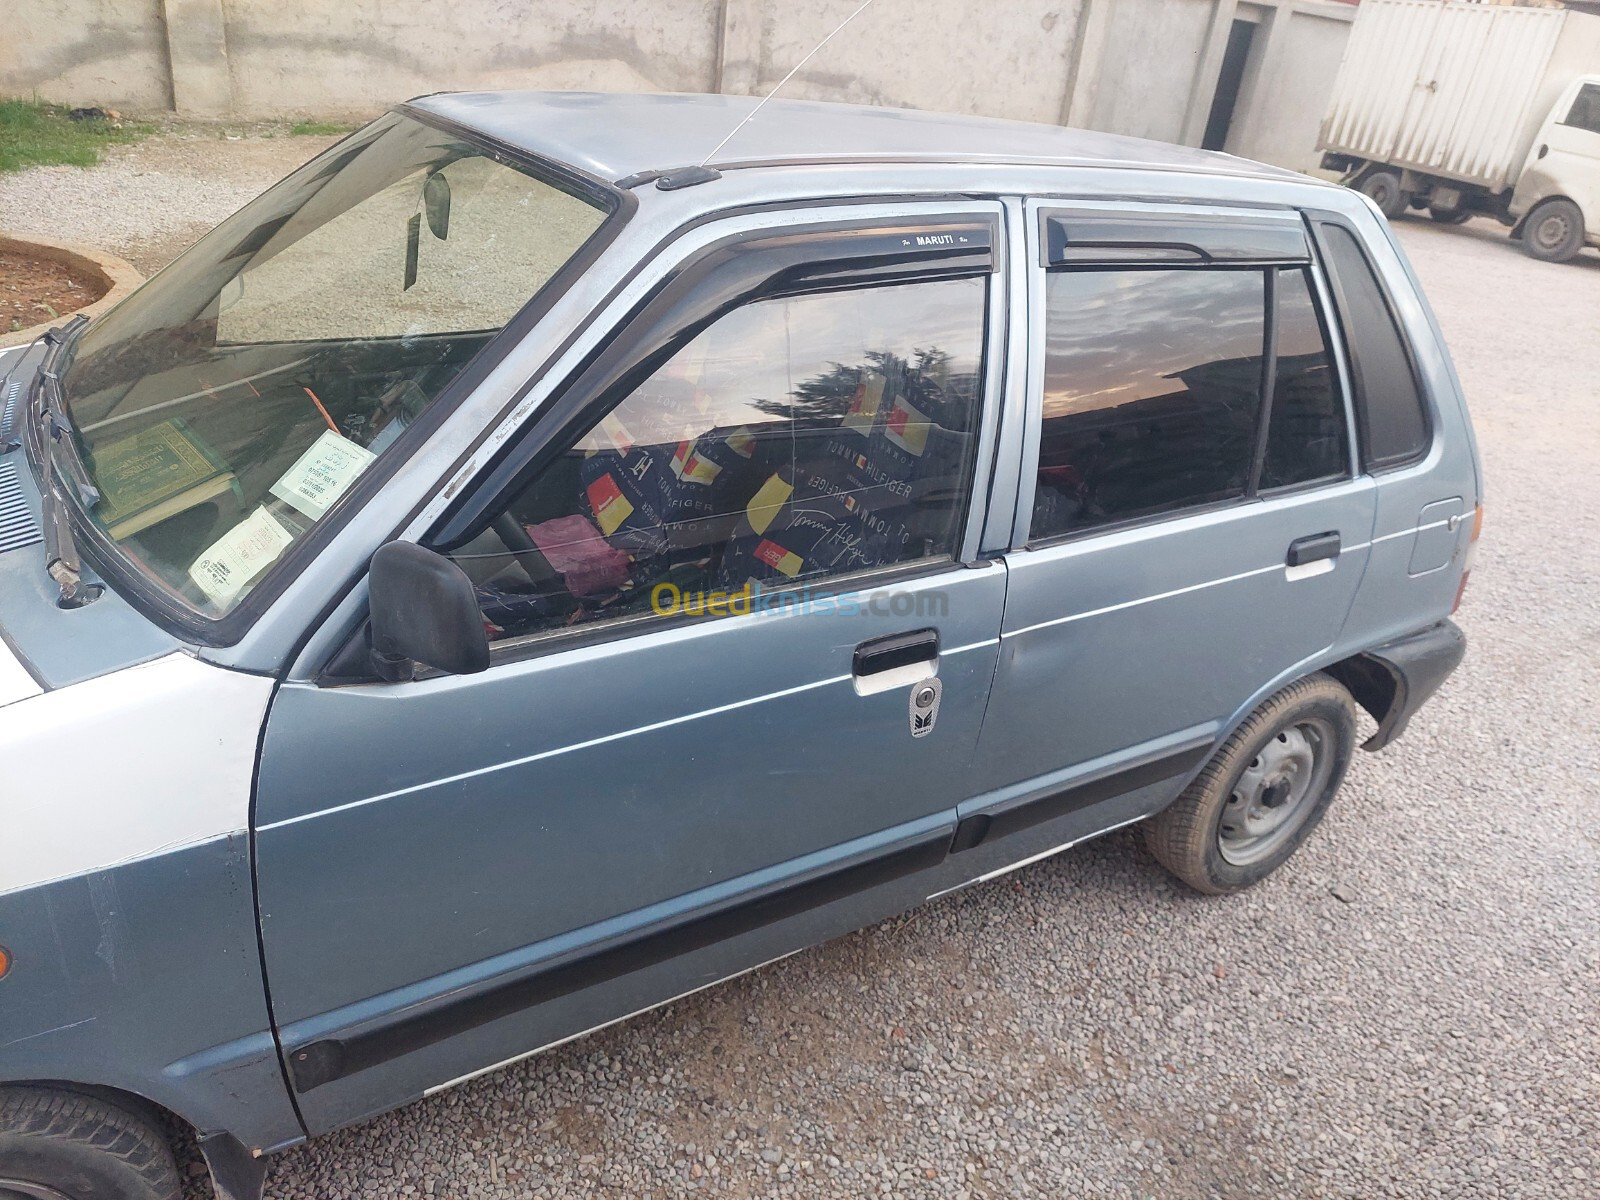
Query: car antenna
700	172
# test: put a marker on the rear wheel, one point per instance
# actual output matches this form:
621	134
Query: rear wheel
1383	189
57	1145
1554	231
1262	793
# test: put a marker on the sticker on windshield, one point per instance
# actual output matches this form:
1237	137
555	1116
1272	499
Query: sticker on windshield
322	474
238	556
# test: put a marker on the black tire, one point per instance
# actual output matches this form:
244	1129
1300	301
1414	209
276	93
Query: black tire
62	1144
1383	189
1553	231
1449	216
1188	837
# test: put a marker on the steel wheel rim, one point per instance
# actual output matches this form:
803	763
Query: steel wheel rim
1276	792
27	1189
1381	193
1552	231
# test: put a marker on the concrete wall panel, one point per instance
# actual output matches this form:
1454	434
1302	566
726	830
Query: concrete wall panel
1148	67
1006	59
1281	107
107	52
311	56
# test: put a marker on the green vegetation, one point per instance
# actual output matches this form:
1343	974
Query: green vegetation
320	128
42	135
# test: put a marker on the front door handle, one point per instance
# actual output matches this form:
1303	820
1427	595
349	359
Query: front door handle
1315	548
920	646
898	660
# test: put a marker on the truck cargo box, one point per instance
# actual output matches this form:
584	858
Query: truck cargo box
1455	90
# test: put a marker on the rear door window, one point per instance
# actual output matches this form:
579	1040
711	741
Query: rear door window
1389	409
1152	393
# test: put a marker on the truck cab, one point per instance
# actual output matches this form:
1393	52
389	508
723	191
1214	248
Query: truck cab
1557	200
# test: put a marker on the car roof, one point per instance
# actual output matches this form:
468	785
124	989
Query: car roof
614	136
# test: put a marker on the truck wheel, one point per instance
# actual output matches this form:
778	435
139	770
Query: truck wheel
62	1146
1262	793
1383	189
1554	231
1449	216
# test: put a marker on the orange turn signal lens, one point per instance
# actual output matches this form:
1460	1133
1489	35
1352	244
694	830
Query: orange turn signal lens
5	961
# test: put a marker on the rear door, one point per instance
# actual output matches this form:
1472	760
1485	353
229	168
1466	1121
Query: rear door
1192	527
720	568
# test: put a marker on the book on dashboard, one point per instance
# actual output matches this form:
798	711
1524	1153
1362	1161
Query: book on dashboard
155	474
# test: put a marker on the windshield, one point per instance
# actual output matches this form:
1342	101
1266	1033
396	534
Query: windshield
226	406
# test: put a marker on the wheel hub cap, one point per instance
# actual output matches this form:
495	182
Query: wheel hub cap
1276	792
1552	231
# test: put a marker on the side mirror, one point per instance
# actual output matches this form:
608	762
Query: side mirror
424	610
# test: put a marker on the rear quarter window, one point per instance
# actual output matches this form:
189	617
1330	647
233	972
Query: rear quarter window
1391	417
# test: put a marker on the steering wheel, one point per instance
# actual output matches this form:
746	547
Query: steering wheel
525	551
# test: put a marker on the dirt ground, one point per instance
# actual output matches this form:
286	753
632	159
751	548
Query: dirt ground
33	290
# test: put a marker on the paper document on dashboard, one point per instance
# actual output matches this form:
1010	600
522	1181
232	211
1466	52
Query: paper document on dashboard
322	474
239	555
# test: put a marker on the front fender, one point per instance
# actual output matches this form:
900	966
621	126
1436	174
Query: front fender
1553	176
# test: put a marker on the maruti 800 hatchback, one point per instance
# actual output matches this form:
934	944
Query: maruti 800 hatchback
513	573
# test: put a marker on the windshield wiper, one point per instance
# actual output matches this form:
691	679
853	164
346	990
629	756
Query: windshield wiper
61	546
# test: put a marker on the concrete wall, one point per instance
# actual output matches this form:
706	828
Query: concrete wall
1143	67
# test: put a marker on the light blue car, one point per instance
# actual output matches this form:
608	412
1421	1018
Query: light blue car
514	573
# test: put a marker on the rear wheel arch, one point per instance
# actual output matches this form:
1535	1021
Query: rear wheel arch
1376	686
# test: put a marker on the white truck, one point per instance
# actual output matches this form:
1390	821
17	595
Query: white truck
1463	108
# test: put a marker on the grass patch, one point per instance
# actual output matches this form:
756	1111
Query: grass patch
320	128
43	135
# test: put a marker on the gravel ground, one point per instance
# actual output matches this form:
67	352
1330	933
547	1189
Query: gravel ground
147	201
1409	1009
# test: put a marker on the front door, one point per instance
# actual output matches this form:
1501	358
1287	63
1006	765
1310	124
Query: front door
741	656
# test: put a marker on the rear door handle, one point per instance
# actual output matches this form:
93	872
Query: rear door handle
1315	548
898	660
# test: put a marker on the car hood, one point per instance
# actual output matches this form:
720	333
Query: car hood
43	646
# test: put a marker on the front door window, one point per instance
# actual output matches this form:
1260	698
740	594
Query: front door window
794	441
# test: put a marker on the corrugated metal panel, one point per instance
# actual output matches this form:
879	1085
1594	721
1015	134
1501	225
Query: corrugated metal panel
17	526
8	414
1441	87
